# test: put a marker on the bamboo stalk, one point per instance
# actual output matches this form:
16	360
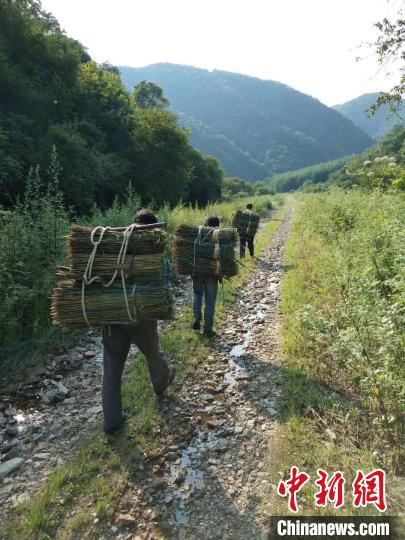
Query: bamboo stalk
107	306
205	252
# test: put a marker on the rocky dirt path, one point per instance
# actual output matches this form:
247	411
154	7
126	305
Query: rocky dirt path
46	422
206	480
214	485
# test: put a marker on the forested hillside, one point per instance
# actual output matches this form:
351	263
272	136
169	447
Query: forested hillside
376	125
53	94
381	166
317	174
378	166
255	127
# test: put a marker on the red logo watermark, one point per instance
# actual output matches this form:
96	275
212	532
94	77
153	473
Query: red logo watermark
366	489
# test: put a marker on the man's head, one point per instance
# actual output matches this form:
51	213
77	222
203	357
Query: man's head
249	206
212	221
145	217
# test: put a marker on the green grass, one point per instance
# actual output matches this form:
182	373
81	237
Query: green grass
94	479
26	282
331	416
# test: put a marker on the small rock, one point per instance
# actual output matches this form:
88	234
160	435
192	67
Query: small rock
10	412
123	520
330	434
13	453
42	456
52	396
62	390
12	431
24	497
7	447
95	410
179	479
90	354
238	429
10	466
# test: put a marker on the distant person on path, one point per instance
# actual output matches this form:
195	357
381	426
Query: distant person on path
205	286
117	340
246	238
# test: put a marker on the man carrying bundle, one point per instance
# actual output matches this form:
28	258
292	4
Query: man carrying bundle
205	285
117	340
207	254
247	235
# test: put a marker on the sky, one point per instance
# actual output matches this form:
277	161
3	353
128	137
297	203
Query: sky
311	45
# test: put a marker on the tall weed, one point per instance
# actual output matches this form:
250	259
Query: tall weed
344	302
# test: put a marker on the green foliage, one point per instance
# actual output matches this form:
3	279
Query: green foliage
160	149
382	166
31	245
148	94
32	240
344	304
255	128
233	187
206	179
389	47
316	174
52	93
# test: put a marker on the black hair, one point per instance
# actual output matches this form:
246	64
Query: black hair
249	206
145	217
212	221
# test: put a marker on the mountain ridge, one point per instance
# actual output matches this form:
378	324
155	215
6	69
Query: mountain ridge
264	127
377	125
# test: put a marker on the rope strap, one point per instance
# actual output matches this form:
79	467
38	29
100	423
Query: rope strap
88	278
199	240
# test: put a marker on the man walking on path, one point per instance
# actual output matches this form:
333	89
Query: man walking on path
117	341
246	237
207	286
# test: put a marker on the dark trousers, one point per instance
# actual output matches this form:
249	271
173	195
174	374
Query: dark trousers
249	241
205	286
117	340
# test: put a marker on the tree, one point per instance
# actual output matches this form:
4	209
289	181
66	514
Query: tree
390	47
159	153
148	94
206	179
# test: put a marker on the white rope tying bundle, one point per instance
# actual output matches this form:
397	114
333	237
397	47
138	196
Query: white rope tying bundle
88	278
217	251
250	216
199	240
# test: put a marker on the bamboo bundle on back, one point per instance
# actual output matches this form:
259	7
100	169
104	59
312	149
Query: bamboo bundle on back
117	276
144	242
205	251
106	306
246	223
141	268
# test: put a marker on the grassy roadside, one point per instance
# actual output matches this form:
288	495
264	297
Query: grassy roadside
27	276
94	484
330	403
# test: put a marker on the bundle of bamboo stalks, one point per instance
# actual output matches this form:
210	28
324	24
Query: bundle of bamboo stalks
205	251
117	276
106	306
246	223
141	268
143	242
